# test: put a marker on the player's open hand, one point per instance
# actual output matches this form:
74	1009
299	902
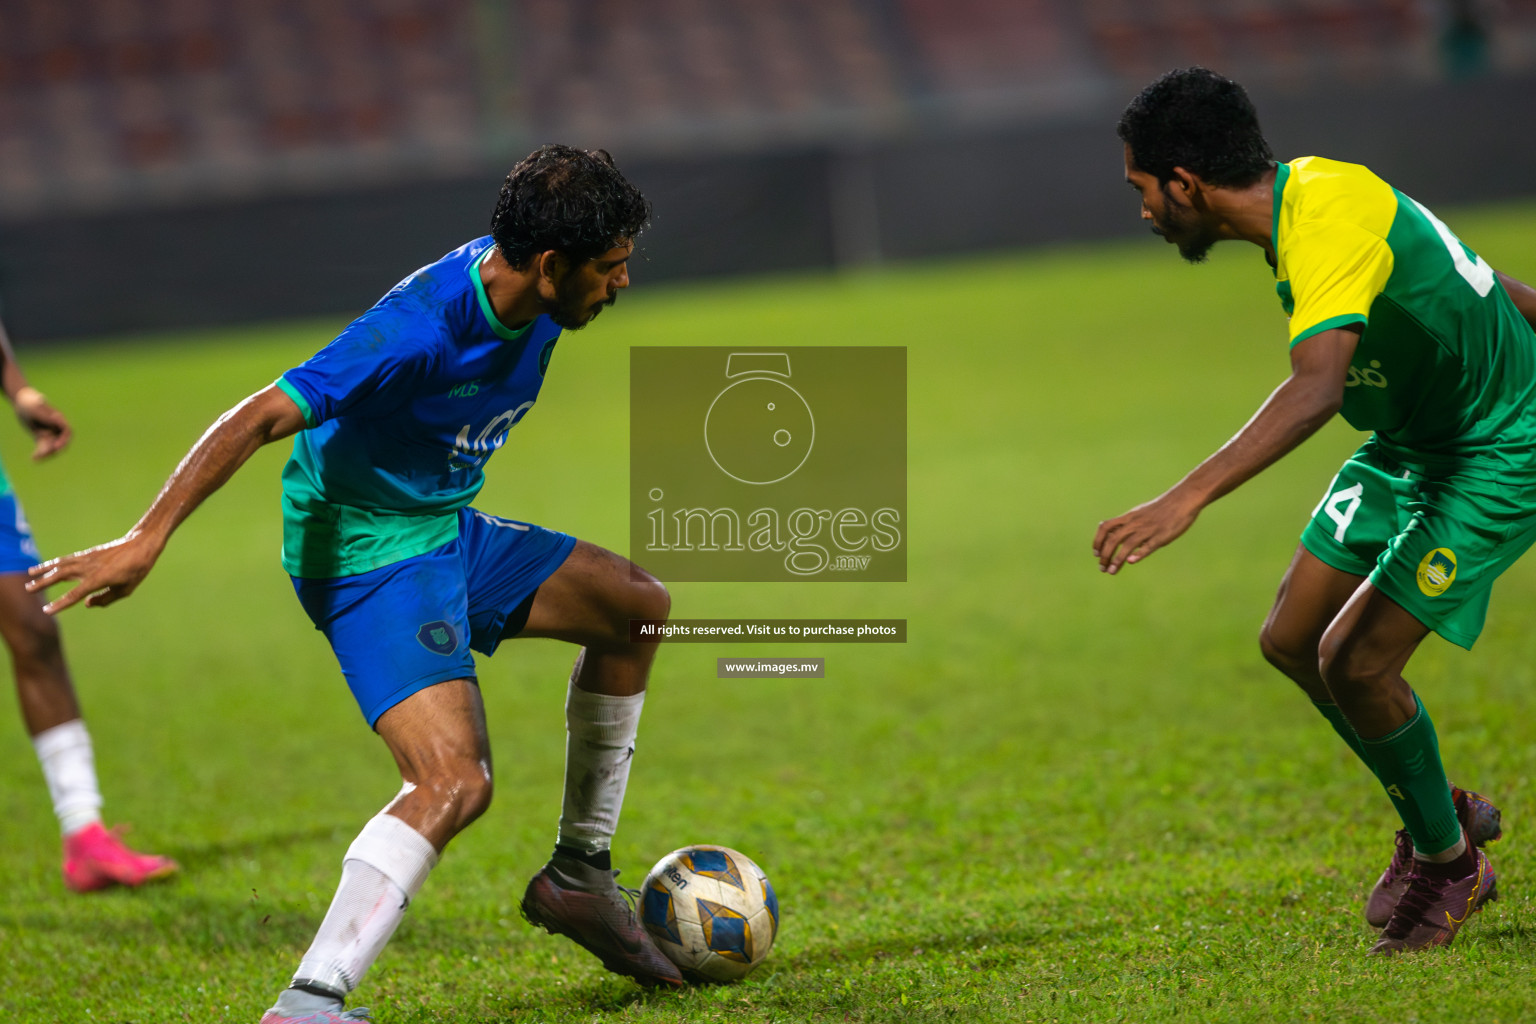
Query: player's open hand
106	573
45	423
1127	539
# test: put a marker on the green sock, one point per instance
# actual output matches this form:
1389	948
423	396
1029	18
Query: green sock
1407	761
1344	729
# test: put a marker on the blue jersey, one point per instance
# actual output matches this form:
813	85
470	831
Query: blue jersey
403	409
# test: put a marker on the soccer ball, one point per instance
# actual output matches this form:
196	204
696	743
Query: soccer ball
711	910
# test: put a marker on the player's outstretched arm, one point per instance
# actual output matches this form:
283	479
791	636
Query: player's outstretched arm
1304	402
114	570
1524	297
48	427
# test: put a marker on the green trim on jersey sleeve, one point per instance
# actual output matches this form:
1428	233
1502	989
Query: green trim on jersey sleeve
298	400
1328	325
501	329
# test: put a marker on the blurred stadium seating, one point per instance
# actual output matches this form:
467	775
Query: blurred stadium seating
117	101
774	133
112	102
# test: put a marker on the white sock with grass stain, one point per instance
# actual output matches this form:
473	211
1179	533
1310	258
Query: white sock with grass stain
380	875
599	746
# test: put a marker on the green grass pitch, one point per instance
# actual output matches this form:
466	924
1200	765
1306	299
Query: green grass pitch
1068	798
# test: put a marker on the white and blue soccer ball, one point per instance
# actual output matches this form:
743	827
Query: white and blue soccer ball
711	910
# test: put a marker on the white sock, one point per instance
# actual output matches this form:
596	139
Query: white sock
600	743
69	768
383	870
1444	856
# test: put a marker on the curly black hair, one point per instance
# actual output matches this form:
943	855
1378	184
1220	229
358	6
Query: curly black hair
570	200
1195	119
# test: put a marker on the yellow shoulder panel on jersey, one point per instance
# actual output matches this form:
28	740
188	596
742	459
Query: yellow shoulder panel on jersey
1331	243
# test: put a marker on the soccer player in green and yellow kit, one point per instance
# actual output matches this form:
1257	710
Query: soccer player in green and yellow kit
1406	332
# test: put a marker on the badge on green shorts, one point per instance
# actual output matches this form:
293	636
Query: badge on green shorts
1437	571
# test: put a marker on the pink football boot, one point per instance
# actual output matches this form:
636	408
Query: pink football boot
95	858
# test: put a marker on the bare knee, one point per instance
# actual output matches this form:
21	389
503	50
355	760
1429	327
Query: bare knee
456	794
1350	672
649	597
641	598
615	660
1297	658
34	643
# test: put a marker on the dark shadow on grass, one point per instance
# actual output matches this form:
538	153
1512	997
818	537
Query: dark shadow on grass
202	912
181	918
608	995
997	943
1507	933
191	854
166	918
603	996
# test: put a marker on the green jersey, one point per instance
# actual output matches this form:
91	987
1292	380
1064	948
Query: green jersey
1445	372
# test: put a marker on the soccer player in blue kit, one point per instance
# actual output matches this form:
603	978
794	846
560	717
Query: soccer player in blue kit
395	420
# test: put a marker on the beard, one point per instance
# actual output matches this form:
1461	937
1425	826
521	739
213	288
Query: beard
1183	227
569	312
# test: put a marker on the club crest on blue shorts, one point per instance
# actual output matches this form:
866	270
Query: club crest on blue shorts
438	637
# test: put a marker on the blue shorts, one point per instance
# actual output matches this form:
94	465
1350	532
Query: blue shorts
409	625
18	551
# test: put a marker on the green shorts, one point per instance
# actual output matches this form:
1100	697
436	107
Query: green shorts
1432	540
